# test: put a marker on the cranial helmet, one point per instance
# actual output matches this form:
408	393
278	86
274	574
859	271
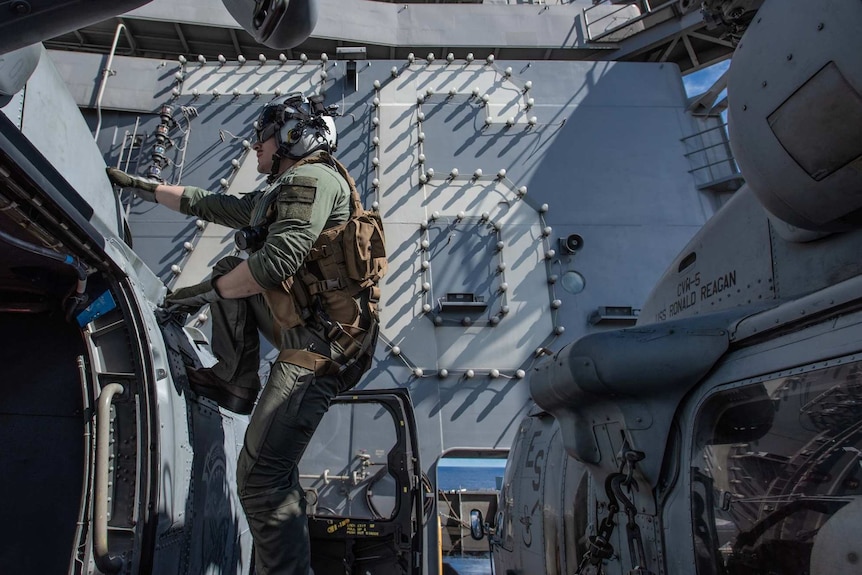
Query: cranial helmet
300	125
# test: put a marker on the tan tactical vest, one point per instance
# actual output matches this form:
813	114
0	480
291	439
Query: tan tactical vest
344	261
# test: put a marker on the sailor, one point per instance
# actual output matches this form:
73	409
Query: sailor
312	298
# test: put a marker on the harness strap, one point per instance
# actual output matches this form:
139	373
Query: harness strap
319	364
314	286
352	370
347	336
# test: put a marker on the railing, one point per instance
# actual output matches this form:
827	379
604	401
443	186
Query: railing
630	14
711	158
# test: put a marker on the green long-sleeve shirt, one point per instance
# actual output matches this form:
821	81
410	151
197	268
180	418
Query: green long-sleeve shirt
306	200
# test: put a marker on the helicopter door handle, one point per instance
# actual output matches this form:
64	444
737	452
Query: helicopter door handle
105	560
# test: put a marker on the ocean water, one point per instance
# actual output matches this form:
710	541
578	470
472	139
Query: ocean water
470	478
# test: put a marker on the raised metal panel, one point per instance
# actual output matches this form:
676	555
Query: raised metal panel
52	123
603	159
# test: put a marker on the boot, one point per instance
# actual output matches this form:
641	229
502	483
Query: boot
231	397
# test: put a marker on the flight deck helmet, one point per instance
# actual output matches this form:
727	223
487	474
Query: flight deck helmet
300	125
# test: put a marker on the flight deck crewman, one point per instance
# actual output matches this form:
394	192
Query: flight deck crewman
303	287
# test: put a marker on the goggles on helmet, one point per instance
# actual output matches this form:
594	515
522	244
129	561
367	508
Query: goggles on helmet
274	115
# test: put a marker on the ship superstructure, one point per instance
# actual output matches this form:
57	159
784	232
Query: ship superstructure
536	167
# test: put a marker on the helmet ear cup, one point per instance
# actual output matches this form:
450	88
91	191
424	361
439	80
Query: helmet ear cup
294	135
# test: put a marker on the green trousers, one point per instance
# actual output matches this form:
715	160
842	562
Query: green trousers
291	406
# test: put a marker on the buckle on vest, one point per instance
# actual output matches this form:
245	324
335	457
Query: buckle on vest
325	285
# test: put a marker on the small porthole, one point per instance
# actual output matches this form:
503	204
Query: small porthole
573	282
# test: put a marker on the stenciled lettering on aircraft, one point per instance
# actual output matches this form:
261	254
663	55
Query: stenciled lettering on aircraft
527	521
718	285
692	288
362	529
336	526
535	463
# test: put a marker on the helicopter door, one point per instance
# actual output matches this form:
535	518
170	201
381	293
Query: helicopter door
361	476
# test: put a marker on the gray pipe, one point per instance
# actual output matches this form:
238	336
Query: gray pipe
104	82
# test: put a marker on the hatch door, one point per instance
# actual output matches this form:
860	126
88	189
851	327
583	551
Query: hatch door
361	476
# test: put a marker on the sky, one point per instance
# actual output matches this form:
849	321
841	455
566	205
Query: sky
700	81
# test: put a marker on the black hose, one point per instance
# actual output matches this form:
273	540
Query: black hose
75	300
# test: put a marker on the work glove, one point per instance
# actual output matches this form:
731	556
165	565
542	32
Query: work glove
145	189
190	299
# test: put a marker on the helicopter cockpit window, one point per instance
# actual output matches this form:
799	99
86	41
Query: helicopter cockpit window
777	478
345	469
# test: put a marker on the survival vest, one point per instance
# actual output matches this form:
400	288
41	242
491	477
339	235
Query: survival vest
345	261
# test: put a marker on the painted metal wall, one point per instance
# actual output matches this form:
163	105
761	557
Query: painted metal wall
596	146
47	116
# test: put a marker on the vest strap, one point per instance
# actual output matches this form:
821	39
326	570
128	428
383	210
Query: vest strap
325	285
319	364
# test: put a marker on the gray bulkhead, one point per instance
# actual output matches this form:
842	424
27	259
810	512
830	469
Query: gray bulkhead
597	146
479	277
603	160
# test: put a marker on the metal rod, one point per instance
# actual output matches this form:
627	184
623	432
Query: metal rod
644	6
129	161
699	150
327	477
183	154
80	539
122	151
105	561
710	164
104	82
703	131
132	143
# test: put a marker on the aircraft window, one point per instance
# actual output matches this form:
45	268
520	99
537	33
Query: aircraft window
573	282
345	470
687	262
777	475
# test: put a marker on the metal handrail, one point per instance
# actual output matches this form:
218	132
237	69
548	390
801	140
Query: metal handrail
588	24
705	148
645	6
709	165
105	561
719	126
706	155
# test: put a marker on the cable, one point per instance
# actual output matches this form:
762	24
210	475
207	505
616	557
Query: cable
79	296
222	132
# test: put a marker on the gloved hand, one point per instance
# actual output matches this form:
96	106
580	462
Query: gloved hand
146	189
190	299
